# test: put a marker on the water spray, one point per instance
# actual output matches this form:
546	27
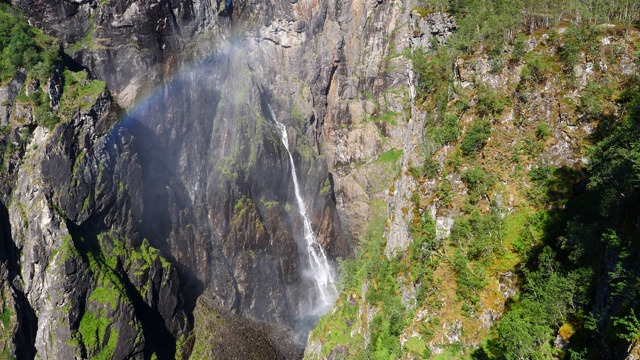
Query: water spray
321	271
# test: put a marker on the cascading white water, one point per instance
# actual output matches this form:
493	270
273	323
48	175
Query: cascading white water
321	271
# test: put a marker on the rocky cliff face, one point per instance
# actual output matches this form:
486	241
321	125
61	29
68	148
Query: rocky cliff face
195	167
80	280
409	271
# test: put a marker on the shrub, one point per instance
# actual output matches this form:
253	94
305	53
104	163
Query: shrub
519	48
424	242
489	103
538	68
450	129
576	40
543	131
478	181
23	46
595	99
430	167
475	139
432	71
468	282
480	236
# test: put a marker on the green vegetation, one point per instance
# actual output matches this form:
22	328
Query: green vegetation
596	101
26	49
385	280
443	130
94	330
489	104
542	132
478	182
8	327
390	156
578	39
108	260
79	93
560	234
538	69
23	46
476	137
562	273
527	329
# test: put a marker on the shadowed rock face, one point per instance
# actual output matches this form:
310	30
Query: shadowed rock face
196	167
218	190
78	278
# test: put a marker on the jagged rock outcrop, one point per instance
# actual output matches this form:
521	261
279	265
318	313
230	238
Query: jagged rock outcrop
221	335
83	280
127	44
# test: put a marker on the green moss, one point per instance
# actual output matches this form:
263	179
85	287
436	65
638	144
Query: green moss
105	257
85	204
228	168
87	41
326	188
416	346
93	329
390	156
296	114
5	316
5	354
389	117
23	213
207	326
240	94
68	249
268	204
105	295
79	93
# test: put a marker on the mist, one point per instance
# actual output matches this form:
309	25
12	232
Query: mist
228	194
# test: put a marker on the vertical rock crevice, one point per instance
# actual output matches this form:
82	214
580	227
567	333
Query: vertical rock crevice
22	341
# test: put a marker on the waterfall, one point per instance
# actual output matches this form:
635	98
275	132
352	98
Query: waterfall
321	271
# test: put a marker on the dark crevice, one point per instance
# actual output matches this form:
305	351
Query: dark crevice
25	336
333	192
264	105
71	63
174	21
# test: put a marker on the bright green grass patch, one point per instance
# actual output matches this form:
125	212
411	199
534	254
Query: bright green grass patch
92	329
390	156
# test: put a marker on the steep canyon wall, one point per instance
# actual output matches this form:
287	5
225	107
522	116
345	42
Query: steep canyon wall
187	159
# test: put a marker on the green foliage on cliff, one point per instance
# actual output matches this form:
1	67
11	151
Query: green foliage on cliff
390	156
27	50
6	316
551	236
94	329
475	139
79	93
377	282
23	46
562	278
490	24
116	271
